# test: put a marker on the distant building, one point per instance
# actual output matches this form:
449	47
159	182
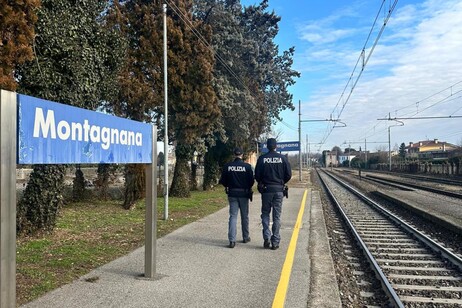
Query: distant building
331	158
346	157
430	149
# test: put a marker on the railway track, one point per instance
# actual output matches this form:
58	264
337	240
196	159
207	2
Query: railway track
413	269
447	181
404	184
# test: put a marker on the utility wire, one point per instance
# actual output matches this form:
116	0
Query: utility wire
443	100
289	126
430	96
367	135
190	25
364	63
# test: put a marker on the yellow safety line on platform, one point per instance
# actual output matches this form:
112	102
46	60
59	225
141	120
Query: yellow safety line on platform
281	291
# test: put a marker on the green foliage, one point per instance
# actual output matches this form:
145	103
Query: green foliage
77	59
357	163
402	150
193	106
211	166
252	78
39	207
89	235
216	157
77	56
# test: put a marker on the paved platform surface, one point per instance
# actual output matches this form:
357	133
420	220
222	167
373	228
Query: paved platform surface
196	269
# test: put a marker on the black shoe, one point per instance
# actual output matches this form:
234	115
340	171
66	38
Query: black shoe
274	247
266	244
246	240
231	244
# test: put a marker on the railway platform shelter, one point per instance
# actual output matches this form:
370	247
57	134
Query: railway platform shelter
196	269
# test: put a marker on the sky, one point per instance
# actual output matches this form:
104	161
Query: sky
413	69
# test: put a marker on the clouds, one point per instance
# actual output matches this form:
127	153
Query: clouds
418	55
316	34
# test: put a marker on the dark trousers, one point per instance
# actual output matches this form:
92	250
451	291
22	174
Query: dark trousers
271	201
236	204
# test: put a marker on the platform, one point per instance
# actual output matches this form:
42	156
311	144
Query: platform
196	269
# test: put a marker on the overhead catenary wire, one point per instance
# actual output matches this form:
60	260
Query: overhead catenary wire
365	59
430	96
450	97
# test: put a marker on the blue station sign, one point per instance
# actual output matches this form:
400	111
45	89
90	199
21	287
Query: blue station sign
286	146
53	133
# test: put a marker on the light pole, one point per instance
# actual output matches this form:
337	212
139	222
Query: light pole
165	117
299	142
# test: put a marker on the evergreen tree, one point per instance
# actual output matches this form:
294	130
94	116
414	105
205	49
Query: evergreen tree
250	78
402	150
140	86
77	58
195	107
17	19
192	101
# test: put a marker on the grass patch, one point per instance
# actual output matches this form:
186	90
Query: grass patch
90	234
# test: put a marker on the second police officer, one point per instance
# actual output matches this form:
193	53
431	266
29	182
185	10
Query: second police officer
272	172
237	178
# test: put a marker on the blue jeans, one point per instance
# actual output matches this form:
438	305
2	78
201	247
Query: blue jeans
271	201
236	203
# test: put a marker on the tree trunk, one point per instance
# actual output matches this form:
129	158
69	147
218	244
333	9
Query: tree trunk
211	171
78	187
135	187
102	181
38	208
180	184
193	176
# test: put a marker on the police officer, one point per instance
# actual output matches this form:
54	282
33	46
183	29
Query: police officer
237	178
272	173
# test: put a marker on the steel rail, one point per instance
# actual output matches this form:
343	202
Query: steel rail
430	179
426	188
388	289
445	253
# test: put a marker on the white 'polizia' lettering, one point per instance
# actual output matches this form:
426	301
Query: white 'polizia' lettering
236	168
44	126
272	160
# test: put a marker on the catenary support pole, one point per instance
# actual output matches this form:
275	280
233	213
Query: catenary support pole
307	155
8	114
300	141
389	150
151	212
165	118
365	153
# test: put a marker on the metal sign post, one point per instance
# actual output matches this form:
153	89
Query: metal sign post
151	213
8	199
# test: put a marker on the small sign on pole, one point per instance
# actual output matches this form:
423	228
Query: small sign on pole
286	146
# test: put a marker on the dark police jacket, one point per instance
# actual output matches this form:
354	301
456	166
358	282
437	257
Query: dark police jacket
273	171
237	177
